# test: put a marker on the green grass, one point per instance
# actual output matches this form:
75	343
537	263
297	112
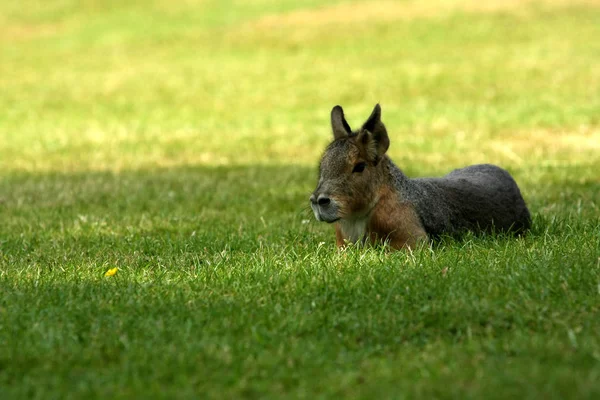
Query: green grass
178	142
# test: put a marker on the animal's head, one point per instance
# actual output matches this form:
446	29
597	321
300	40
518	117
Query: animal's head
351	172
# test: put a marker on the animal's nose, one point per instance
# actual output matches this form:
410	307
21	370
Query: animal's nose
323	200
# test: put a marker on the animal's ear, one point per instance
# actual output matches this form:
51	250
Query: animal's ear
338	123
373	136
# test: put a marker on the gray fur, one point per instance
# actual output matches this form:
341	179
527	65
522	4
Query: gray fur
478	198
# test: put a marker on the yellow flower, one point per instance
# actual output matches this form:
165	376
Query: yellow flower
111	272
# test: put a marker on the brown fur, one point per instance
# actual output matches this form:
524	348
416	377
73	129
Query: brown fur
391	221
340	240
395	222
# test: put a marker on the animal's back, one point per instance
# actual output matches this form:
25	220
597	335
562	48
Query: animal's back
479	198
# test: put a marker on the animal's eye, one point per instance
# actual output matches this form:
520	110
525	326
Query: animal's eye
360	167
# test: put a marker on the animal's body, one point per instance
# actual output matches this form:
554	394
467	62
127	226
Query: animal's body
370	199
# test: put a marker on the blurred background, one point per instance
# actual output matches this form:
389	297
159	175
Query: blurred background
106	85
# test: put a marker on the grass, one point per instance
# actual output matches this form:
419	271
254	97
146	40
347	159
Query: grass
178	143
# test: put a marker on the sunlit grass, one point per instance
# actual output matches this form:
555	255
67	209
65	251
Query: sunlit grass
111	96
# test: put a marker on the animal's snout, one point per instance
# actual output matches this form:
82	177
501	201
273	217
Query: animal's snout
324	207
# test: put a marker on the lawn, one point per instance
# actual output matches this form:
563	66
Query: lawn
178	141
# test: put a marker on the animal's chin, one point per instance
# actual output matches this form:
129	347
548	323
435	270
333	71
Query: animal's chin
326	218
328	214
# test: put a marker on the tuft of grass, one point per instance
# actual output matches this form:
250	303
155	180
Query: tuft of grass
175	145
